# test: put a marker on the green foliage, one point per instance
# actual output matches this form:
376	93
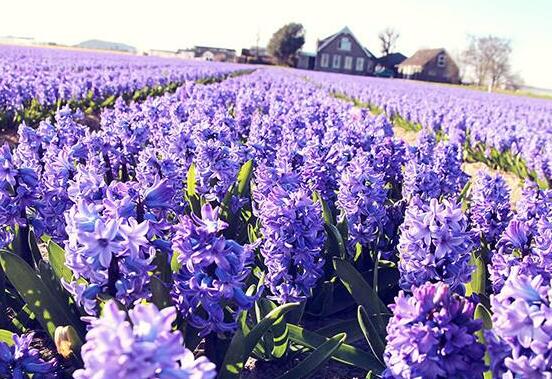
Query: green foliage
245	340
478	276
316	359
40	293
345	353
56	258
285	43
362	292
370	333
6	336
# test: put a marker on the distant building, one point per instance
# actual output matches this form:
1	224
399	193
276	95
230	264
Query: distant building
205	53
434	65
14	40
343	53
97	44
386	66
255	55
162	53
306	61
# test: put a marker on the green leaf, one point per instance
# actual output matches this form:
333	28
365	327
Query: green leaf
326	213
349	327
242	344
345	354
191	190
49	311
159	293
335	241
191	181
361	291
482	313
6	336
64	298
56	258
370	333
278	333
33	247
244	177
479	276
175	264
316	359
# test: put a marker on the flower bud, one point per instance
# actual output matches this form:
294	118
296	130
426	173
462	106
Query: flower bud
67	341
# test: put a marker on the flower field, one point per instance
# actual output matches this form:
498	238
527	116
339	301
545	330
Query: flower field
226	221
34	81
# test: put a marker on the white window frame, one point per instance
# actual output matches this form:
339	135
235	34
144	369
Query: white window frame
359	64
325	60
345	44
348	63
336	61
441	60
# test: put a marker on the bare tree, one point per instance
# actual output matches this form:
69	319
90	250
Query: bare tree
388	38
487	59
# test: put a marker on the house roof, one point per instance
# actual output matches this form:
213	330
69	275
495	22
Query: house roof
421	57
217	49
391	60
326	41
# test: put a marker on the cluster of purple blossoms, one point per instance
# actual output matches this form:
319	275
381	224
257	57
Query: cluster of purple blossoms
489	211
319	172
432	335
513	249
388	157
18	194
420	179
144	346
534	204
434	170
217	164
293	235
361	198
108	241
23	359
448	165
525	243
213	272
435	245
521	339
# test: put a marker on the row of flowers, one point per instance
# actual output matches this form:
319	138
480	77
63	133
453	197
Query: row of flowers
35	81
503	131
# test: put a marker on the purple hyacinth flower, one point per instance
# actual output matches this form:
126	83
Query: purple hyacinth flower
144	346
432	335
434	245
22	359
212	277
520	343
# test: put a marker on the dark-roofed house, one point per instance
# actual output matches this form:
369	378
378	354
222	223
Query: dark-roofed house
343	53
433	65
386	66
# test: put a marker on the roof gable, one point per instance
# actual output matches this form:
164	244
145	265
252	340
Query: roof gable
422	56
322	44
391	59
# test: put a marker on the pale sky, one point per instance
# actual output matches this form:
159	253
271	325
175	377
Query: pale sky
172	24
